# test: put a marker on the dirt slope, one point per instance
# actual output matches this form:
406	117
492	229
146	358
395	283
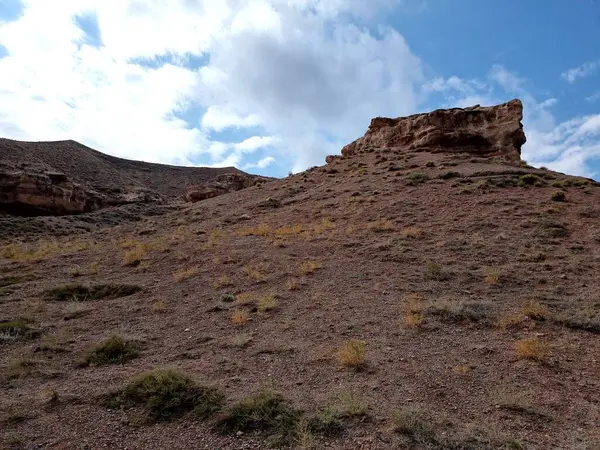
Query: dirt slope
471	282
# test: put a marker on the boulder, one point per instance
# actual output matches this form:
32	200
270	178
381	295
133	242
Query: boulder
482	131
222	184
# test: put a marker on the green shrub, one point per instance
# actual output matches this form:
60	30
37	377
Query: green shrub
449	175
558	196
18	328
266	410
530	179
164	395
78	292
435	272
417	178
114	350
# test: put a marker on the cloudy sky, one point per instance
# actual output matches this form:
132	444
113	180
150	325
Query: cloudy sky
273	86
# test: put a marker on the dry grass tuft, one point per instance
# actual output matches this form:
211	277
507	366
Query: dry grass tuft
159	307
510	320
184	274
531	348
308	267
255	274
266	303
352	353
492	275
223	281
381	226
293	230
260	230
244	298
134	257
535	310
292	284
411	233
240	317
413	319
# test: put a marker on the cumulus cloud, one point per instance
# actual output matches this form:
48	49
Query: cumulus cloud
582	71
259	84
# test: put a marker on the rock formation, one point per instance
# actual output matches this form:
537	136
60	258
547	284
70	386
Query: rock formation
222	184
482	131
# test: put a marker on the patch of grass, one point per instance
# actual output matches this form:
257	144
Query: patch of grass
164	395
114	350
17	329
260	230
244	298
413	423
308	267
255	274
159	306
449	175
558	196
134	257
510	320
413	319
381	226
555	230
240	317
461	312
74	310
288	231
15	279
435	272
184	274
292	284
241	340
352	353
535	310
326	224
79	292
530	179
416	178
411	233
265	411
531	348
492	275
266	303
223	281
582	319
21	368
516	401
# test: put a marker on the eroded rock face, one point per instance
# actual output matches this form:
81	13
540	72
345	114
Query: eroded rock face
26	193
482	131
223	184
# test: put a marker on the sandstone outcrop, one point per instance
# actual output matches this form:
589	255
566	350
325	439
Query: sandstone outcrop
222	184
482	131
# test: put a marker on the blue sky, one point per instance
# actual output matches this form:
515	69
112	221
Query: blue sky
273	86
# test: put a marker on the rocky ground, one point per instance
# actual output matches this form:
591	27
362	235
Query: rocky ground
392	298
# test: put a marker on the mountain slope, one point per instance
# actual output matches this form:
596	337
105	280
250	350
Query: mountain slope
470	282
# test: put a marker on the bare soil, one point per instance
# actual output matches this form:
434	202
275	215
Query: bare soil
432	260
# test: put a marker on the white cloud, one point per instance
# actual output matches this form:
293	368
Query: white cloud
594	97
582	71
261	164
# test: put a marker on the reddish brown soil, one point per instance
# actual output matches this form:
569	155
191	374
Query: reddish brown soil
452	371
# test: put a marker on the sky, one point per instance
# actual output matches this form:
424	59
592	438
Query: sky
273	86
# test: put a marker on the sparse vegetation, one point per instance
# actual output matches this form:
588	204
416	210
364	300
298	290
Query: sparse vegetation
531	348
411	233
413	319
558	196
266	411
266	303
352	353
308	267
531	179
413	423
416	178
17	329
184	274
240	317
164	395
292	284
227	298
260	230
435	272
381	226
79	293
159	306
461	312
20	368
492	275
255	274
535	310
134	257
114	350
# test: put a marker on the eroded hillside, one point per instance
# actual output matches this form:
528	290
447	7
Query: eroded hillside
397	297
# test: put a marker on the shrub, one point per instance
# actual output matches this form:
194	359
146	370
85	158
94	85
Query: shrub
531	348
416	178
558	196
413	319
228	298
352	353
240	317
411	233
460	312
133	257
163	395
414	423
530	180
78	292
16	329
535	310
114	350
449	175
492	275
266	303
267	411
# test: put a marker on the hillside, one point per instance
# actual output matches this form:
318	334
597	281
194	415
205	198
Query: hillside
401	296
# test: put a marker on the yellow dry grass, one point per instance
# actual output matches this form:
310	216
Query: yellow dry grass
352	353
